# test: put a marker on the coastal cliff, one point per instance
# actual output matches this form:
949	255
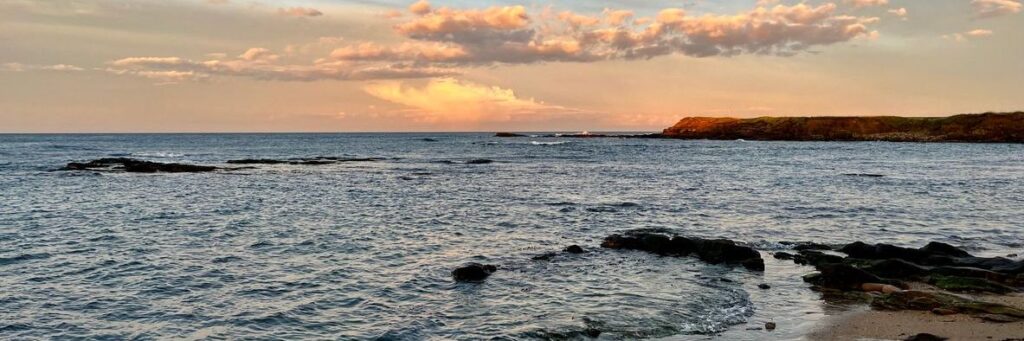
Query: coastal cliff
988	127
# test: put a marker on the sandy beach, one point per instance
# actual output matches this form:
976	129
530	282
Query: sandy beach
866	324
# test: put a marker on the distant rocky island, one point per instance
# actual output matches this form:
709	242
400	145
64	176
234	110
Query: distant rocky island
987	127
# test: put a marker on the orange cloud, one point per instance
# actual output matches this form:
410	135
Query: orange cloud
994	8
299	12
446	20
867	3
447	100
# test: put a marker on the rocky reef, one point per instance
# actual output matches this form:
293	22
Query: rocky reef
945	277
714	251
137	166
988	127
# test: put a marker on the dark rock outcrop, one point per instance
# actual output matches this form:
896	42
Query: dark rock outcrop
576	249
714	251
988	127
137	166
508	135
479	162
925	337
473	272
314	161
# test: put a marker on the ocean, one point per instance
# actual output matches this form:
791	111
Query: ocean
365	250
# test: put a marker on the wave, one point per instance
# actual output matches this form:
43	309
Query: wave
548	143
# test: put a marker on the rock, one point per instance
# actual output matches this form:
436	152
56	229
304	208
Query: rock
998	318
592	332
944	249
508	135
473	272
943	312
714	251
896	268
969	284
925	337
842	276
544	256
878	287
313	161
816	258
929	300
783	255
137	166
769	326
987	127
811	246
1012	255
256	162
764	286
479	162
576	249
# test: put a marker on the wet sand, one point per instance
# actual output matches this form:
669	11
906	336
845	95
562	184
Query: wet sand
865	324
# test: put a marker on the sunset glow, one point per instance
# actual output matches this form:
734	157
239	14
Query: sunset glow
234	65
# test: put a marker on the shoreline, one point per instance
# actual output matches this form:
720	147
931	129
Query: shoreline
863	323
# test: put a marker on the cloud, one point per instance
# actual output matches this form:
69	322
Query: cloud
19	67
866	3
299	12
969	35
262	64
441	41
510	35
617	17
421	7
407	51
447	100
899	12
995	8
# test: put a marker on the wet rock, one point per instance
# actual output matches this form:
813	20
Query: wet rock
479	162
473	272
998	318
427	139
313	161
811	246
714	251
925	337
944	249
865	175
842	276
545	256
783	255
508	135
256	162
769	326
896	268
592	332
764	286
968	284
943	312
816	258
929	300
137	166
576	249
878	287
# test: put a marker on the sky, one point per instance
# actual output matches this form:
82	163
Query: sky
423	66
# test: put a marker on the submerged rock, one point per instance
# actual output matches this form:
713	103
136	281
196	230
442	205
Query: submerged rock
574	249
479	162
714	251
313	161
137	166
473	272
508	135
